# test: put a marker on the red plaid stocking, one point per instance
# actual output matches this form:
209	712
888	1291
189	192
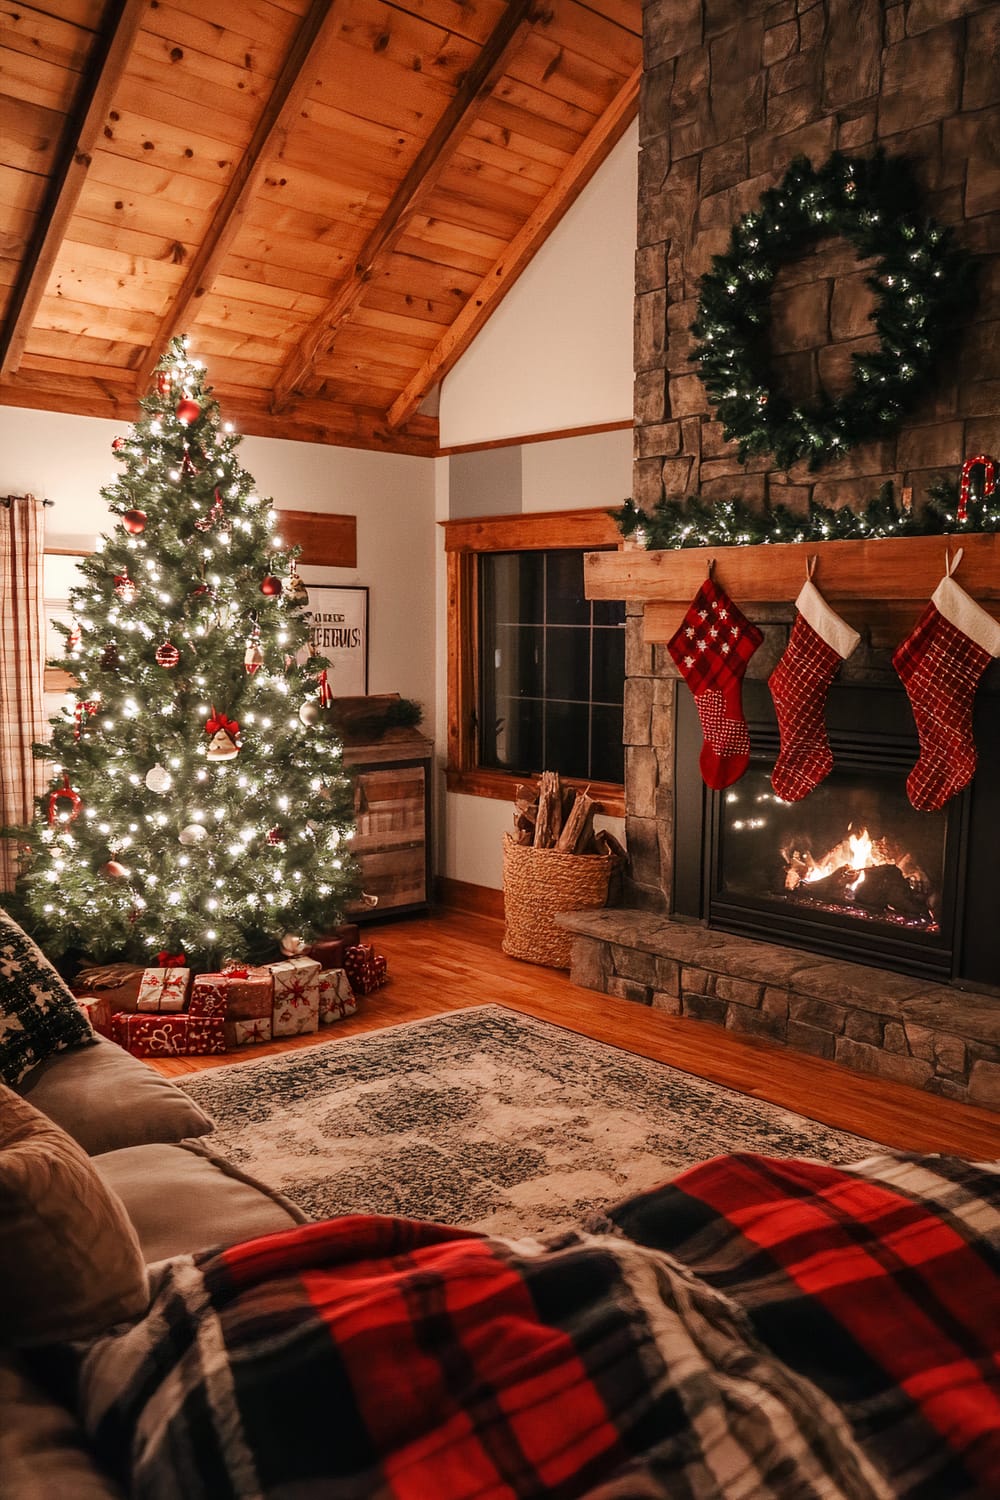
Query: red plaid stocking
819	642
940	663
711	648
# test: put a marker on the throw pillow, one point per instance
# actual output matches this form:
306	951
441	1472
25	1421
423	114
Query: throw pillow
38	1015
70	1262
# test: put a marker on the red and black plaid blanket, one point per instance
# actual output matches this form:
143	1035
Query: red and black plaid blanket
754	1329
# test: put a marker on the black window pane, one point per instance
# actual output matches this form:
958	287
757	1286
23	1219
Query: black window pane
516	663
564	596
567	732
512	741
609	611
567	665
515	586
608	681
607	758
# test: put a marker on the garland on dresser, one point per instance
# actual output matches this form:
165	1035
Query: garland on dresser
922	282
691	522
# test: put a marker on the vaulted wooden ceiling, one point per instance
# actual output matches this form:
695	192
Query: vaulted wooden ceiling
329	197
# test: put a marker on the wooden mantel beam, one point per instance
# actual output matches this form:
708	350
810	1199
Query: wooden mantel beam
83	133
510	31
290	91
500	278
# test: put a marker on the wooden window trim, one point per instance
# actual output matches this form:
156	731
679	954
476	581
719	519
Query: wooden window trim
464	541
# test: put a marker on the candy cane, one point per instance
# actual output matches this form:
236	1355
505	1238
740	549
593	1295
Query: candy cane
989	482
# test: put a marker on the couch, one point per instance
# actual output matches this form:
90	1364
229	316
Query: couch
755	1328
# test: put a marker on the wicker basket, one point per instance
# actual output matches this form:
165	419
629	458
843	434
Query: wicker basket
537	883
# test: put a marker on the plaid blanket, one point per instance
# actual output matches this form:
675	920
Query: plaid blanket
383	1359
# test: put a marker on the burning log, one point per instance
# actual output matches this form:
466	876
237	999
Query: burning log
886	888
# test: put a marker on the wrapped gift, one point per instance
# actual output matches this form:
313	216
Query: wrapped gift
249	991
336	998
247	1033
206	1036
208	997
97	1009
296	996
163	989
151	1036
366	969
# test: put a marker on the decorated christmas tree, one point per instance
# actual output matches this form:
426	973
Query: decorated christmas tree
197	804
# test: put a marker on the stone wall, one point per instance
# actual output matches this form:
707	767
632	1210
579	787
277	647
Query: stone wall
733	90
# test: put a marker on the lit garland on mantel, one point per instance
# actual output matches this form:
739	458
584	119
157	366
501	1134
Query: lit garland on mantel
691	522
922	282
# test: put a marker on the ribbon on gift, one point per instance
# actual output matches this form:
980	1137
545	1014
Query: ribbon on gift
166	960
233	970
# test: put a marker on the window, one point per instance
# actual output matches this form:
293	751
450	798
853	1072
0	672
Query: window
551	668
536	670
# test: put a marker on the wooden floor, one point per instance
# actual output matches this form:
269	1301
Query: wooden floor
453	960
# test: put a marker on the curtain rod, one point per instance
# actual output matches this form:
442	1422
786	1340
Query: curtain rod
8	500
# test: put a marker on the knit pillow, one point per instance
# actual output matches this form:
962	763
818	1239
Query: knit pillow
70	1262
38	1015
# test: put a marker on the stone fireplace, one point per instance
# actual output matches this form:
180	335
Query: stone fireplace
733	91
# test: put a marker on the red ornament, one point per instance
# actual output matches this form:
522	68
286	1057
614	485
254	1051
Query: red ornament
84	709
125	588
215	515
324	692
276	835
74	638
988	465
164	384
117	444
65	793
224	743
167	655
114	871
134	521
167	960
271	586
188	410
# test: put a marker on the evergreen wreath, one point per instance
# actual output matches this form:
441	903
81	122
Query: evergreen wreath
922	282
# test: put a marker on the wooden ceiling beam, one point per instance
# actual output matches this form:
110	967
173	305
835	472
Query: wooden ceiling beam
82	133
511	30
608	130
290	92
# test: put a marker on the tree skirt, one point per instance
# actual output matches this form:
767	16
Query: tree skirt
483	1117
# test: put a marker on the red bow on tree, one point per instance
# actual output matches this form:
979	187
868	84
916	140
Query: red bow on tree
170	960
219	721
236	971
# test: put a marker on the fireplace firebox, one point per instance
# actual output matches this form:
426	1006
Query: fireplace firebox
853	870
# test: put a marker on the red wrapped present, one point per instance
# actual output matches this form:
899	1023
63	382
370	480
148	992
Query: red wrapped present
206	1036
97	1009
366	969
249	991
209	997
248	1033
151	1036
296	996
163	989
336	998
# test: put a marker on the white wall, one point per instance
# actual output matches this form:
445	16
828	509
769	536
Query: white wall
557	354
68	458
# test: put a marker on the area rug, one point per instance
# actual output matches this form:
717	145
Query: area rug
483	1117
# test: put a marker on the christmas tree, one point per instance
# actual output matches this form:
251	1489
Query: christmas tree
198	803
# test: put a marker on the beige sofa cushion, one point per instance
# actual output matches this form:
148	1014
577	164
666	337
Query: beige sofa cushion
182	1198
70	1263
105	1098
44	1454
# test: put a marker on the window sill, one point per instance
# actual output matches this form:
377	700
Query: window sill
609	799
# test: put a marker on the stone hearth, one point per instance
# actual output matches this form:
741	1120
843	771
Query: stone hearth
930	1036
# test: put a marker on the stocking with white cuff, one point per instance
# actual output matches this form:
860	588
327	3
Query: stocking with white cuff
819	642
940	664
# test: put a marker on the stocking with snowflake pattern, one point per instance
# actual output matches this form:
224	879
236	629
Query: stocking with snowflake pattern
712	646
819	642
940	664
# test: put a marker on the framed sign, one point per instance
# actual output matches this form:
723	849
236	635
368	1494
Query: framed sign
338	630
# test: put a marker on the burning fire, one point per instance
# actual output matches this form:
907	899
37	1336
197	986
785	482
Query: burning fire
857	851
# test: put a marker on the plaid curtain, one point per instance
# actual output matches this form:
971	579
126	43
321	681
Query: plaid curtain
22	667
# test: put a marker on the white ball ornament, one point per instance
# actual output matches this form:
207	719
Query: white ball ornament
159	779
193	833
291	945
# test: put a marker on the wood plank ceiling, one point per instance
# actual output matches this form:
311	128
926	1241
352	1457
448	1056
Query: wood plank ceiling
328	197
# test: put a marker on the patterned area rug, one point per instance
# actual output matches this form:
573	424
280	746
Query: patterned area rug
483	1117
